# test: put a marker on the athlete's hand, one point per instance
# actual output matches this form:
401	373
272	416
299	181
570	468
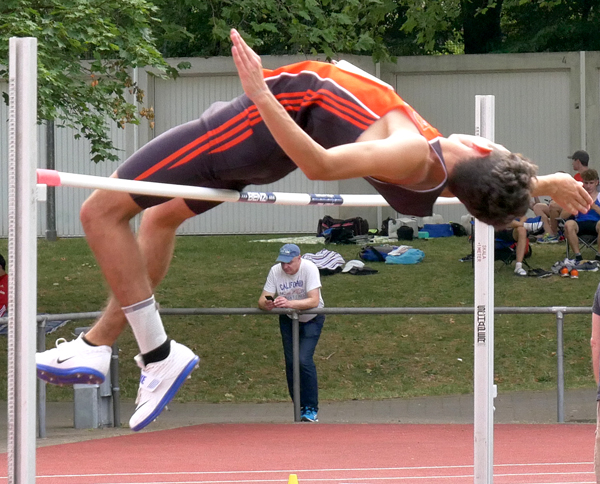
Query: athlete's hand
565	191
249	67
482	145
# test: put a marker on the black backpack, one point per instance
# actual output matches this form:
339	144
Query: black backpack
458	229
405	232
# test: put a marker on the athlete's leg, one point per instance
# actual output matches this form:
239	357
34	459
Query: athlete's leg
105	217
126	264
156	241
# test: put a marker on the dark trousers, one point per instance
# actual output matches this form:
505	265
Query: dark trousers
309	337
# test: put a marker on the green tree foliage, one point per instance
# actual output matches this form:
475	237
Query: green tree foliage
111	37
430	27
551	26
378	27
275	26
486	26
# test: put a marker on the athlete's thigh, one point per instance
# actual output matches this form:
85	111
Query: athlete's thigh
159	160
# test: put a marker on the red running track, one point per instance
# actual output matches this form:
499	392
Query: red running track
322	453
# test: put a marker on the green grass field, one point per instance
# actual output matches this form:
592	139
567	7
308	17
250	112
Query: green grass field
358	357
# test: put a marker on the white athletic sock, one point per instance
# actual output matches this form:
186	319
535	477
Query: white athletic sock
518	265
146	324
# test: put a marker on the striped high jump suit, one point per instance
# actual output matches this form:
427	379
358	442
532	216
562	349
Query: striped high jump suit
230	147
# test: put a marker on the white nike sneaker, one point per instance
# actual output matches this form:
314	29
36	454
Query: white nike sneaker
160	382
73	362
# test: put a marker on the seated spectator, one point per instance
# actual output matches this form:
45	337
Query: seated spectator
584	223
3	288
550	213
515	232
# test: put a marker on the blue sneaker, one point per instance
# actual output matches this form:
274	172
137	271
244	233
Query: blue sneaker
73	362
309	414
548	239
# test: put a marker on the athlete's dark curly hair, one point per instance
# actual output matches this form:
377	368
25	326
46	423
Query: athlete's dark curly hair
495	189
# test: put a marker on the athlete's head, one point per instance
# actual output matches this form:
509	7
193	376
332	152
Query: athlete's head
496	188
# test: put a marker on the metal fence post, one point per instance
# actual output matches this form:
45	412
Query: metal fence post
116	389
560	380
41	384
296	363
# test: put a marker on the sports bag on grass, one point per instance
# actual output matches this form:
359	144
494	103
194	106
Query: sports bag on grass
411	256
370	253
355	225
358	225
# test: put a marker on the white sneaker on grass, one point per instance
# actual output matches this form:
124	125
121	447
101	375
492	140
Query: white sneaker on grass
160	382
73	362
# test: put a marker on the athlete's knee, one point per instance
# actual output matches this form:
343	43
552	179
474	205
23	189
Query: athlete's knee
104	208
169	215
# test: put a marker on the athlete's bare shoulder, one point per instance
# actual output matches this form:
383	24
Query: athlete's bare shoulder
395	121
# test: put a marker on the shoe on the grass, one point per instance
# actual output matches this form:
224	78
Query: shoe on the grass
309	414
548	239
159	383
587	266
537	272
73	362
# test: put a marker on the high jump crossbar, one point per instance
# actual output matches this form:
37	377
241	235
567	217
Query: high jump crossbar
57	178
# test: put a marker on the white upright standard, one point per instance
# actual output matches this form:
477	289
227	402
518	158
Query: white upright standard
484	388
22	254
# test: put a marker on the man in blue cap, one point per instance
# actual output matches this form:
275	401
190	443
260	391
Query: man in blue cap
295	283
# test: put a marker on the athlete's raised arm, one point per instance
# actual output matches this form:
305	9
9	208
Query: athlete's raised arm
396	157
